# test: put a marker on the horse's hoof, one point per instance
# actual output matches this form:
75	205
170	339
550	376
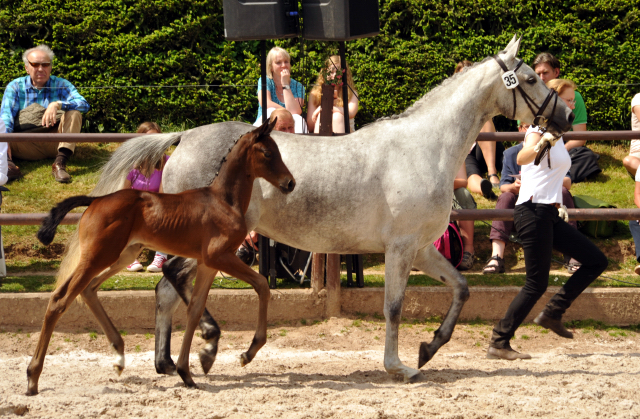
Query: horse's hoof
425	354
206	360
186	379
413	379
166	367
118	369
31	392
244	359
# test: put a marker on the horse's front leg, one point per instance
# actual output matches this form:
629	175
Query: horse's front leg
180	273
433	264
204	279
232	265
90	297
398	258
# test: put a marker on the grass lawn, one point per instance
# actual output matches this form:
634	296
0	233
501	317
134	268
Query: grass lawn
31	267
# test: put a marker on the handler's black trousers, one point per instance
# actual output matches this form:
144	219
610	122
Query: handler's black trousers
541	229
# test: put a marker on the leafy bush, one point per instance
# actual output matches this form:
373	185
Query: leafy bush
177	43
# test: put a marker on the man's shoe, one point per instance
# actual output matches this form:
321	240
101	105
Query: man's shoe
59	172
507	354
554	325
13	171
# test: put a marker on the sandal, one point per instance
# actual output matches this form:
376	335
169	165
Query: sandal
572	267
495	185
494	269
467	261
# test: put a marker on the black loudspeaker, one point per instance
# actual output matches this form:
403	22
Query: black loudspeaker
246	20
340	20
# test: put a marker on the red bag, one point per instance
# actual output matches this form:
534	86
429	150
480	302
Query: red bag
450	244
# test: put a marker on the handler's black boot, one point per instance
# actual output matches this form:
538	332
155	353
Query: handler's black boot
555	325
506	354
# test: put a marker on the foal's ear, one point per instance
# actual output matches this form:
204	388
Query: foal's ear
512	49
265	129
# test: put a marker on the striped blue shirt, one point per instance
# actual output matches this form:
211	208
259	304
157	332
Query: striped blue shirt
20	93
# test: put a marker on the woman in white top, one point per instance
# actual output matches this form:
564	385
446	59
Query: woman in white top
541	230
632	161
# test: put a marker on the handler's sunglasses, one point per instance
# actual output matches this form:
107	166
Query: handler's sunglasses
36	65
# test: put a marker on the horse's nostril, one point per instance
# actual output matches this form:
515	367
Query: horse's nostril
571	118
291	185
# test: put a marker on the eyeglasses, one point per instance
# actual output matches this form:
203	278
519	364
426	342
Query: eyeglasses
36	65
570	101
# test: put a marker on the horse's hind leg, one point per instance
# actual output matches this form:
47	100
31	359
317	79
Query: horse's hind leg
58	304
180	273
398	259
90	297
433	264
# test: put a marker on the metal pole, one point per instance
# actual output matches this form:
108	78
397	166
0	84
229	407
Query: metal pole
345	89
265	267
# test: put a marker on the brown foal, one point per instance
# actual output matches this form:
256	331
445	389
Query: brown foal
206	224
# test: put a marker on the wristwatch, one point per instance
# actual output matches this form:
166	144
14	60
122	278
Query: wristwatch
286	87
60	103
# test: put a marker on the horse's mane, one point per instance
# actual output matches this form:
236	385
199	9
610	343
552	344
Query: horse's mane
428	96
224	158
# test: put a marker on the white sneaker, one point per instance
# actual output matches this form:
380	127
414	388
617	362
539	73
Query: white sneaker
135	266
156	265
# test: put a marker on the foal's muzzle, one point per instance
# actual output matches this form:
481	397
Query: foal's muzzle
287	185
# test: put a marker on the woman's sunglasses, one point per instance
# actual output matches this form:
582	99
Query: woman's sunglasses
36	65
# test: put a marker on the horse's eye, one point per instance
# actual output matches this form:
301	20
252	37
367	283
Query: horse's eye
267	153
531	80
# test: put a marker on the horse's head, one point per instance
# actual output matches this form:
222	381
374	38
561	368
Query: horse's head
266	160
524	96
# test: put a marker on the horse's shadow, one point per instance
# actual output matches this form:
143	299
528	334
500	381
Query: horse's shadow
369	379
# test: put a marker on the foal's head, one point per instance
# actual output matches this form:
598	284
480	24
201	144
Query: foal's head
265	160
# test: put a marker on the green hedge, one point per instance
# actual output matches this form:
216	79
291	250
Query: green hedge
178	43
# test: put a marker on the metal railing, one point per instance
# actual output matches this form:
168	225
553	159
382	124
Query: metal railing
483	214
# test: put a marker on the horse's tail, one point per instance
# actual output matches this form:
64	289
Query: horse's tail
135	152
50	224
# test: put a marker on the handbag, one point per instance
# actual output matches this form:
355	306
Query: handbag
596	228
584	163
450	244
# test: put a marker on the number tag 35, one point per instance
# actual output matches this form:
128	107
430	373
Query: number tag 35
510	80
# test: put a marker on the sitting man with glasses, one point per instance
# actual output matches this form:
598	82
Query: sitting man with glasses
40	102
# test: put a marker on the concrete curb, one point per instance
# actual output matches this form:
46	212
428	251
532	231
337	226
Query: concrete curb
135	310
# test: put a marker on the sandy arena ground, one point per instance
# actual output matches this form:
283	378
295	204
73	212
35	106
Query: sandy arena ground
331	369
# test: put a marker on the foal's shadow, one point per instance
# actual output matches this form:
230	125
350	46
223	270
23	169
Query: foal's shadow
369	379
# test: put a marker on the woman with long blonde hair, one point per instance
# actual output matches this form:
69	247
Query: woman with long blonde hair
334	74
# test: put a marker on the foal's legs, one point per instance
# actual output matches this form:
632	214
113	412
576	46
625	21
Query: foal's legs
180	272
58	303
433	264
204	279
90	297
235	267
398	259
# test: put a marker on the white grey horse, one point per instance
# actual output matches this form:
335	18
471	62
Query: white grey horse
386	188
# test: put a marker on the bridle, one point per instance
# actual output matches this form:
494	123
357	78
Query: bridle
538	118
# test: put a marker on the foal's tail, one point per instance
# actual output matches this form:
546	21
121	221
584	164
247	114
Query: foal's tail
50	224
135	152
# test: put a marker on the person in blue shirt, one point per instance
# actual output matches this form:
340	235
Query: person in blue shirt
282	90
62	105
